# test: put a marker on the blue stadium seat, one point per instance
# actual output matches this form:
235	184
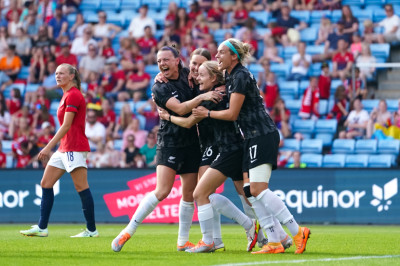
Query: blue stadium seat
71	19
366	146
219	34
380	161
379	15
315	49
392	105
255	69
92	5
9	161
343	146
260	16
8	89
112	5
309	35
152	69
159	18
353	2
290	145
301	15
91	18
153	4
6	145
357	161
127	15
326	139
53	107
281	70
323	107
316	15
303	126
130	4
336	15
118	144
311	146
334	161
118	106
334	84
289	88
303	86
370	104
314	70
23	73
293	105
288	52
31	87
326	126
142	121
312	160
165	3
380	49
364	15
376	3
115	18
84	86
389	146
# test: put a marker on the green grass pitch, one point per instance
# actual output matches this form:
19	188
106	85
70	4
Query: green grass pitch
156	245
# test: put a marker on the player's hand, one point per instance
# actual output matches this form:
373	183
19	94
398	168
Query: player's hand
190	80
160	78
221	90
44	154
213	96
163	113
200	112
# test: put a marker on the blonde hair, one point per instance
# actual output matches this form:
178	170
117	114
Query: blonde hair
212	69
77	77
243	49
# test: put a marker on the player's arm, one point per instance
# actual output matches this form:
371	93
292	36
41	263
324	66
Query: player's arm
230	114
183	108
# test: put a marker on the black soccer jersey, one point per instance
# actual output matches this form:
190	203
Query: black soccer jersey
169	134
253	118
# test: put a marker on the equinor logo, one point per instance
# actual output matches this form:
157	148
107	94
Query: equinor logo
383	195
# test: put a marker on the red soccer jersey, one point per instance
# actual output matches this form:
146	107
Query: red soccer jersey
14	105
241	14
108	52
44	140
106	119
23	160
217	14
71	59
146	44
324	85
138	78
75	139
45	102
271	93
342	59
3	158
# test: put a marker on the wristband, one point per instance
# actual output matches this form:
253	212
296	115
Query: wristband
169	118
209	112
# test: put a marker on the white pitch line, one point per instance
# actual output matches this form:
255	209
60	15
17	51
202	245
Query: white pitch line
312	260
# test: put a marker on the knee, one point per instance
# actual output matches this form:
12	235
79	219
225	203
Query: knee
257	188
197	195
46	184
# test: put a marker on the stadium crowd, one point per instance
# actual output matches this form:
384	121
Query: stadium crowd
115	62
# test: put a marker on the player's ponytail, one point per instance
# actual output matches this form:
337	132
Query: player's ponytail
77	77
241	49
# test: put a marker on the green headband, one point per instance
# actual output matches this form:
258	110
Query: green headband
230	46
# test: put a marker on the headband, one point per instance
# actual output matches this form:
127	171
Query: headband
230	46
167	48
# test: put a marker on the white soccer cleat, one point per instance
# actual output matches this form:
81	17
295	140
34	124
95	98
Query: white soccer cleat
120	241
35	231
87	233
218	245
252	235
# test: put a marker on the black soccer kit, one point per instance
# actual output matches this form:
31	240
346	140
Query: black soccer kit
177	147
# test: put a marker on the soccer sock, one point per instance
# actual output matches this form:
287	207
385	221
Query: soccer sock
217	225
206	213
186	210
265	218
88	209
45	207
248	210
225	207
146	206
276	206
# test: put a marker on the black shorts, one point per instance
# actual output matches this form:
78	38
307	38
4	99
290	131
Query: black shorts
209	155
182	160
261	150
230	164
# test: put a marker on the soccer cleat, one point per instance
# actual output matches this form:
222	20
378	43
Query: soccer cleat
188	245
201	247
300	240
120	241
262	243
218	245
35	231
271	248
87	233
287	242
252	235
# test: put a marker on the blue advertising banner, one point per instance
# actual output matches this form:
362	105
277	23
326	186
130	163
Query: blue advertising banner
342	196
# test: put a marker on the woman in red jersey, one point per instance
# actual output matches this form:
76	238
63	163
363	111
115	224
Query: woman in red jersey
70	156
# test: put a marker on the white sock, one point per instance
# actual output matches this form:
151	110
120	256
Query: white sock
217	225
225	207
279	210
146	206
248	210
186	210
265	218
279	229
206	214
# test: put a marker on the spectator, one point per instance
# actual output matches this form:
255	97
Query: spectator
95	131
78	28
379	119
37	67
366	57
297	161
93	90
342	61
100	158
5	117
356	122
194	10
137	83
324	82
108	117
46	134
170	36
91	62
349	21
306	5
329	4
240	15
41	116
356	46
310	102
131	154
187	47
106	49
249	25
331	44
212	47
149	150
42	40
23	45
281	116
171	13
247	38
339	111
200	31
152	117
103	29
46	10
360	90
33	151
205	5
301	63
125	118
65	56
287	22
136	28
216	16
391	27
21	154
3	41
116	81
5	81
11	64
14	104
58	25
22	114
14	24
254	5
148	46
3	157
271	91
134	129
13	6
32	24
324	30
271	51
262	76
183	24
49	81
80	45
69	6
